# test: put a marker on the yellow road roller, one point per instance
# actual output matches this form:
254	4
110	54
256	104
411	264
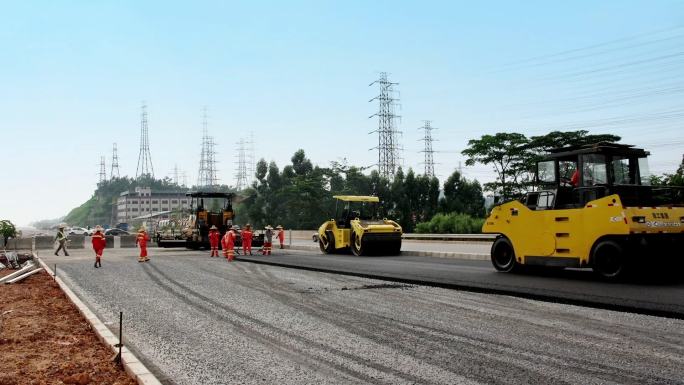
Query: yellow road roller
356	226
594	208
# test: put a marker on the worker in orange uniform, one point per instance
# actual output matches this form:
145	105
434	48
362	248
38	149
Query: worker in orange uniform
247	239
281	236
214	237
99	243
141	241
268	241
574	179
229	244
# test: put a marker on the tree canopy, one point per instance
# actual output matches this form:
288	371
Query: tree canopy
514	156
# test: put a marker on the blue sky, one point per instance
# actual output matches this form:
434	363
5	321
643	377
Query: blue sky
296	74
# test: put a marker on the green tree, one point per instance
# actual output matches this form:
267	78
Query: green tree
462	196
506	153
675	179
7	230
514	156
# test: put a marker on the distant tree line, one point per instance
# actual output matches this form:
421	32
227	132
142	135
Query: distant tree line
301	195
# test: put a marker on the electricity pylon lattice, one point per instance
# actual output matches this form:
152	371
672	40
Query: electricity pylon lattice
241	172
389	157
144	158
207	176
428	151
251	161
103	173
115	164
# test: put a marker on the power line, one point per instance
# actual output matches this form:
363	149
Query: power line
594	46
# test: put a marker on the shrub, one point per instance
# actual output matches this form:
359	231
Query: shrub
452	223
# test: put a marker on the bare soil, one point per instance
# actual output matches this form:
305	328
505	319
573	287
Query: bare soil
45	340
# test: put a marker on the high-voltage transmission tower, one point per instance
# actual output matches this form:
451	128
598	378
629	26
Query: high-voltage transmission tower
103	173
115	163
207	176
145	158
428	151
251	161
176	175
389	157
241	172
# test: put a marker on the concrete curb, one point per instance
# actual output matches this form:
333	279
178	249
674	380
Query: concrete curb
438	254
132	365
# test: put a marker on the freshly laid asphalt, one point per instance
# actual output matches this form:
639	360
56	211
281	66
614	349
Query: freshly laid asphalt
199	320
650	294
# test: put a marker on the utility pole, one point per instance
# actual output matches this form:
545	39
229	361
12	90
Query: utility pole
388	135
241	172
115	164
144	158
428	151
103	173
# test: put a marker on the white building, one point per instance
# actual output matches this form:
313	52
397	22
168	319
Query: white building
143	201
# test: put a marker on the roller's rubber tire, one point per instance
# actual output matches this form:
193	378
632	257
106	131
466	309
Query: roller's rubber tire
503	255
328	248
609	260
356	246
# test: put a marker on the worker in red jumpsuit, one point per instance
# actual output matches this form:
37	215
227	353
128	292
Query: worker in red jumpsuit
229	244
141	241
247	239
214	237
281	236
99	243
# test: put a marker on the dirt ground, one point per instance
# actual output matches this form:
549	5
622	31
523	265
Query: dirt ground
45	340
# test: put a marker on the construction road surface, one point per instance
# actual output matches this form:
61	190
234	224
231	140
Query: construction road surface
199	320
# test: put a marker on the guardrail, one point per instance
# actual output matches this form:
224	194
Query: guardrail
308	234
450	237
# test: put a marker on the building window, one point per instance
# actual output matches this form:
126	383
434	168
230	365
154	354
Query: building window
165	202
134	202
155	202
174	201
135	209
155	209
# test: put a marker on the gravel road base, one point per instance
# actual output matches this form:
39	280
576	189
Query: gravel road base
201	320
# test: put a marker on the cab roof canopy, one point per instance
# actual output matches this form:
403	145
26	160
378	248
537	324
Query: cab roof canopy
204	194
605	148
356	198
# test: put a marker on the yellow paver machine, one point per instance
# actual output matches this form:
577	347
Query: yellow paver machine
595	208
356	226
